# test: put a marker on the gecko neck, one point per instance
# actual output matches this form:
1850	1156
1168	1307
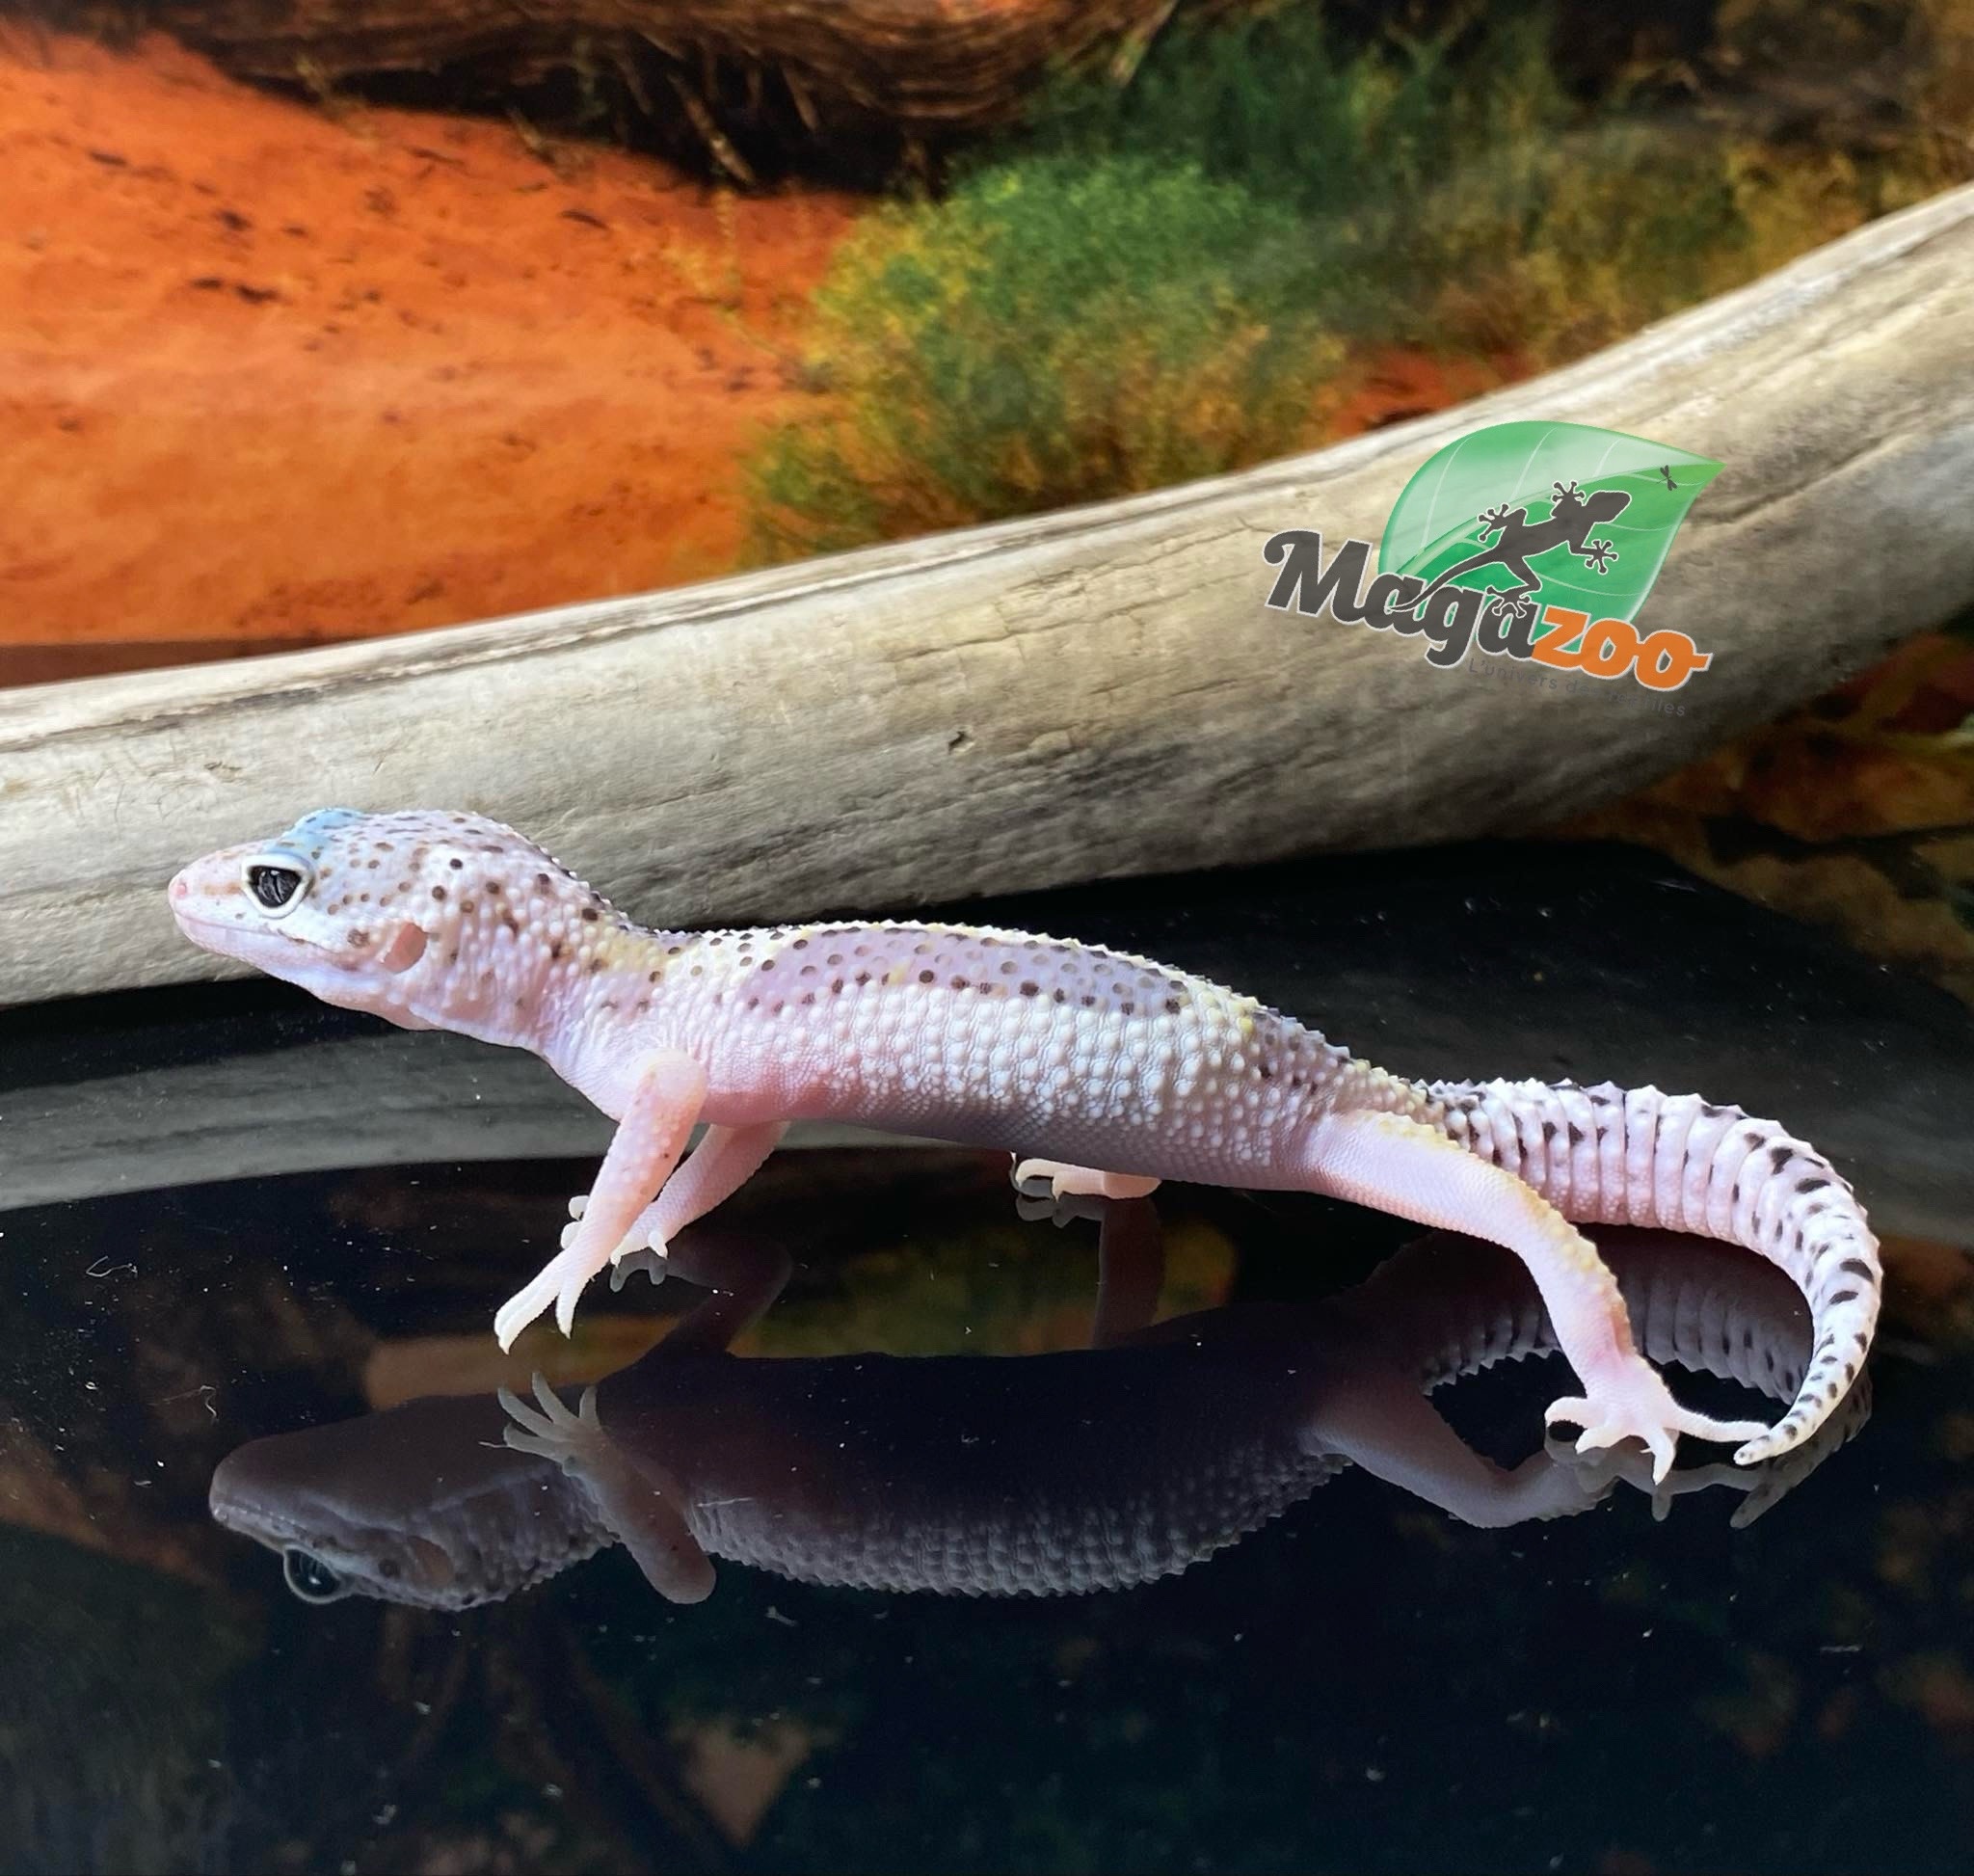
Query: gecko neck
597	997
570	979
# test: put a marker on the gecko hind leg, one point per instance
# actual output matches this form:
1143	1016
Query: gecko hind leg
1399	1166
1057	1179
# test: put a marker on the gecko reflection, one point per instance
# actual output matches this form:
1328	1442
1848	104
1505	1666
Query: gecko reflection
1042	1475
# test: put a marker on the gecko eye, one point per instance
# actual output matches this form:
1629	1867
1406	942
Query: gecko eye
276	882
310	1578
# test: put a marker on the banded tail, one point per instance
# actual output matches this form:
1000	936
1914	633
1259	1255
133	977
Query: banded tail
1607	1155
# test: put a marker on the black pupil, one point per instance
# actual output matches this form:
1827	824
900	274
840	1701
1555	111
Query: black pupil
273	886
310	1576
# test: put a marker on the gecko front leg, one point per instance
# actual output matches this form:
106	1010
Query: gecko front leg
1399	1166
669	1094
725	1159
640	1499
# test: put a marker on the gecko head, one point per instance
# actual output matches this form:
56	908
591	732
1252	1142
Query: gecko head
421	1503
1605	506
377	911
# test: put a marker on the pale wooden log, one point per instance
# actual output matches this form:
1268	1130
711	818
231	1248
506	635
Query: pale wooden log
1088	693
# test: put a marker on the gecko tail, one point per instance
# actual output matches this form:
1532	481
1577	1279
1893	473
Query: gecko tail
1609	1155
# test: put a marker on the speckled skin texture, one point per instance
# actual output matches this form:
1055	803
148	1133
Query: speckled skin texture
995	1038
1110	1064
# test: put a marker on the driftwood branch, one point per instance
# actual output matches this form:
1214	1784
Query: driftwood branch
1088	693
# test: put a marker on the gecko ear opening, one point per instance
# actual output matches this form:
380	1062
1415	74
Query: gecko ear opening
406	946
431	1563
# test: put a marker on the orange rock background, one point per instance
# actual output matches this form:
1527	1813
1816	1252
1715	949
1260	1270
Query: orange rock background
277	374
274	374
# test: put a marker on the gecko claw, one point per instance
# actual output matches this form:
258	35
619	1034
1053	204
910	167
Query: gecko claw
559	1281
525	1306
1610	1467
538	1423
574	1283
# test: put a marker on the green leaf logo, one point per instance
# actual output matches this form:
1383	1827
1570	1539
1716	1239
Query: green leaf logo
1496	499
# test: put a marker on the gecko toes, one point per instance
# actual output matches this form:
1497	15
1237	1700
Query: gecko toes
520	1309
649	1243
551	1402
1057	1179
653	1263
560	1281
1632	1403
527	1420
1722	1432
550	1431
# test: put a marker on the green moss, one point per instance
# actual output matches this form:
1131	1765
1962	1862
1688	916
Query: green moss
1056	330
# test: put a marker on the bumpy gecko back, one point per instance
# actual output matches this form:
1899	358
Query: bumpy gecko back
1042	1475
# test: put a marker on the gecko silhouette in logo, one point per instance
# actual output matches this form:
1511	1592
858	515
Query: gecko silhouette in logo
1571	517
1468	510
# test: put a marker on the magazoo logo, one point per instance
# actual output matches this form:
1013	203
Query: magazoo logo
1536	540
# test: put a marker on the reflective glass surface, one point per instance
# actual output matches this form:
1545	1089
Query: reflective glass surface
914	1526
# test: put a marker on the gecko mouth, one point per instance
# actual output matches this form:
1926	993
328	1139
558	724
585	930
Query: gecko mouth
231	937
